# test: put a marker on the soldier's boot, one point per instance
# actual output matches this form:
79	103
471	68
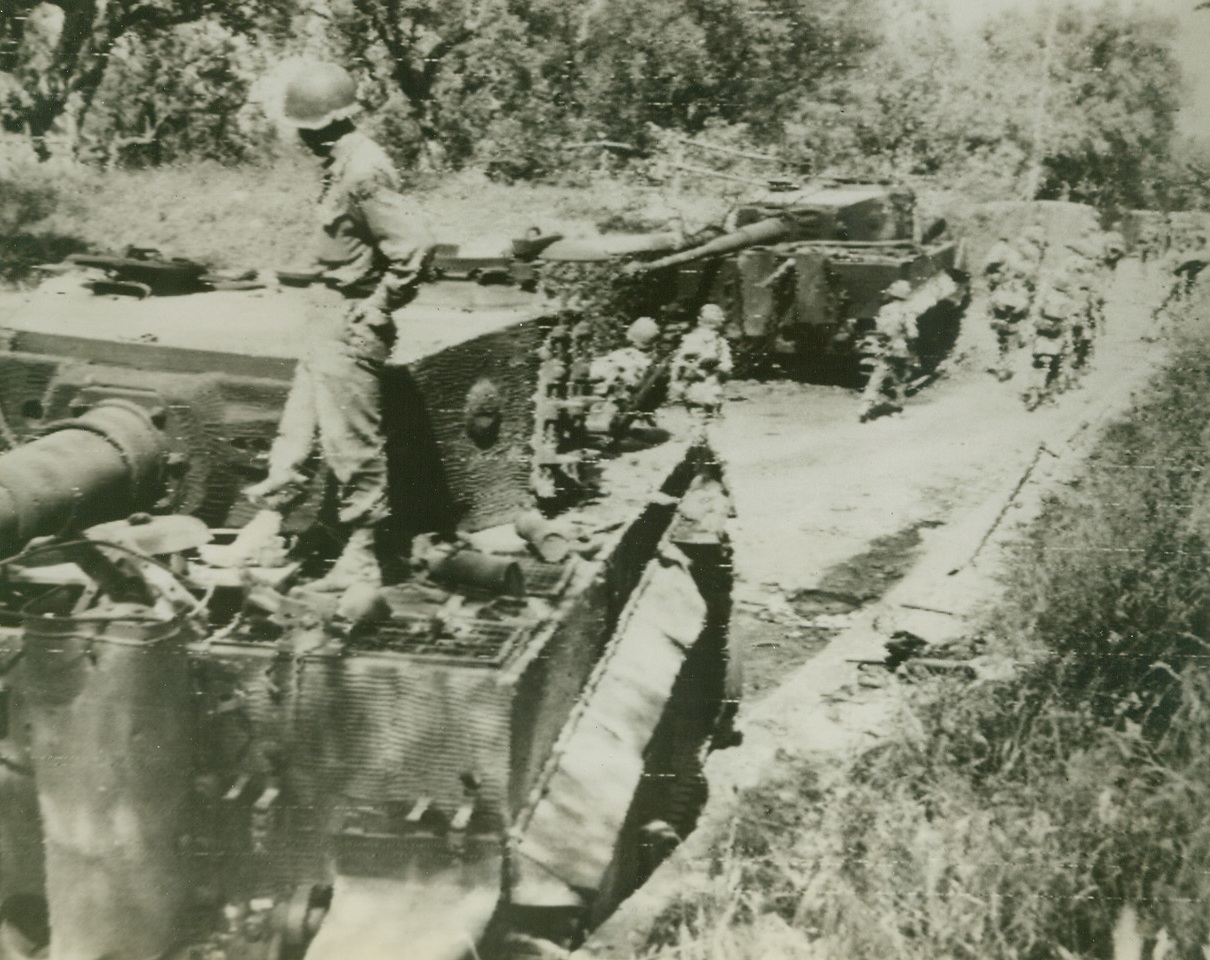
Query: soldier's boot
881	407
357	564
276	490
258	544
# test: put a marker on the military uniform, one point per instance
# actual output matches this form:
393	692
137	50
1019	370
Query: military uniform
700	365
998	264
1084	282
615	378
889	358
1051	343
1010	306
369	250
1029	249
616	374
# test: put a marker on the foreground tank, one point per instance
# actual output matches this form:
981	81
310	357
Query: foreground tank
202	761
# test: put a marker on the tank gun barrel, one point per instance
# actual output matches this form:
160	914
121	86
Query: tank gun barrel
103	465
769	230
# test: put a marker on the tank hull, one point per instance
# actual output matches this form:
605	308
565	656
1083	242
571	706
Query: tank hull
315	785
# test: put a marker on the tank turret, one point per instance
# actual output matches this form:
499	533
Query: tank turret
801	274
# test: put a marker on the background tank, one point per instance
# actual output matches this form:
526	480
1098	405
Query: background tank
193	755
801	275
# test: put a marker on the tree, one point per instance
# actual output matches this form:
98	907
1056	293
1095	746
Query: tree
1114	111
683	64
1096	92
1078	104
913	101
182	93
409	42
54	55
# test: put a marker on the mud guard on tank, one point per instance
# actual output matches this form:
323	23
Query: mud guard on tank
564	848
423	915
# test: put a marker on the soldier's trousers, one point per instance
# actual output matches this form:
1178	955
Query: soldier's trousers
336	397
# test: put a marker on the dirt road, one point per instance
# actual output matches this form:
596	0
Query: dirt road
830	511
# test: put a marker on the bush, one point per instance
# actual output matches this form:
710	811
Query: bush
29	191
29	194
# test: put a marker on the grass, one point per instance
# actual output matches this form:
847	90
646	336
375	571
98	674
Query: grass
262	215
1019	819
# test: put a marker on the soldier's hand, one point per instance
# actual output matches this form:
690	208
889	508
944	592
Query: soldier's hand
397	284
373	311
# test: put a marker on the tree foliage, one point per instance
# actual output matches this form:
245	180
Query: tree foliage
54	56
182	93
1078	102
1090	96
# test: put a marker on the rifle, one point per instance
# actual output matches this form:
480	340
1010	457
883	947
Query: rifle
645	397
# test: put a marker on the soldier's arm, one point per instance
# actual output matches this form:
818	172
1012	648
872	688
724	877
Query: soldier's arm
400	234
725	362
396	228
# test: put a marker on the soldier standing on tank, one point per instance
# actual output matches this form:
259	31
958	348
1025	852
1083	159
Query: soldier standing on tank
371	256
889	354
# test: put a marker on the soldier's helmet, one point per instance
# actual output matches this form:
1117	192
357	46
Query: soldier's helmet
1057	305
643	332
317	95
1009	300
711	316
899	290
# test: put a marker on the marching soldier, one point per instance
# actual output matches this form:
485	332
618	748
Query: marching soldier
1050	347
702	363
1113	248
1010	306
889	354
617	375
1030	248
1083	272
999	263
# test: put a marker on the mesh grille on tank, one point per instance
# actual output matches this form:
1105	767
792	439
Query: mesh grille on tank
481	641
544	579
